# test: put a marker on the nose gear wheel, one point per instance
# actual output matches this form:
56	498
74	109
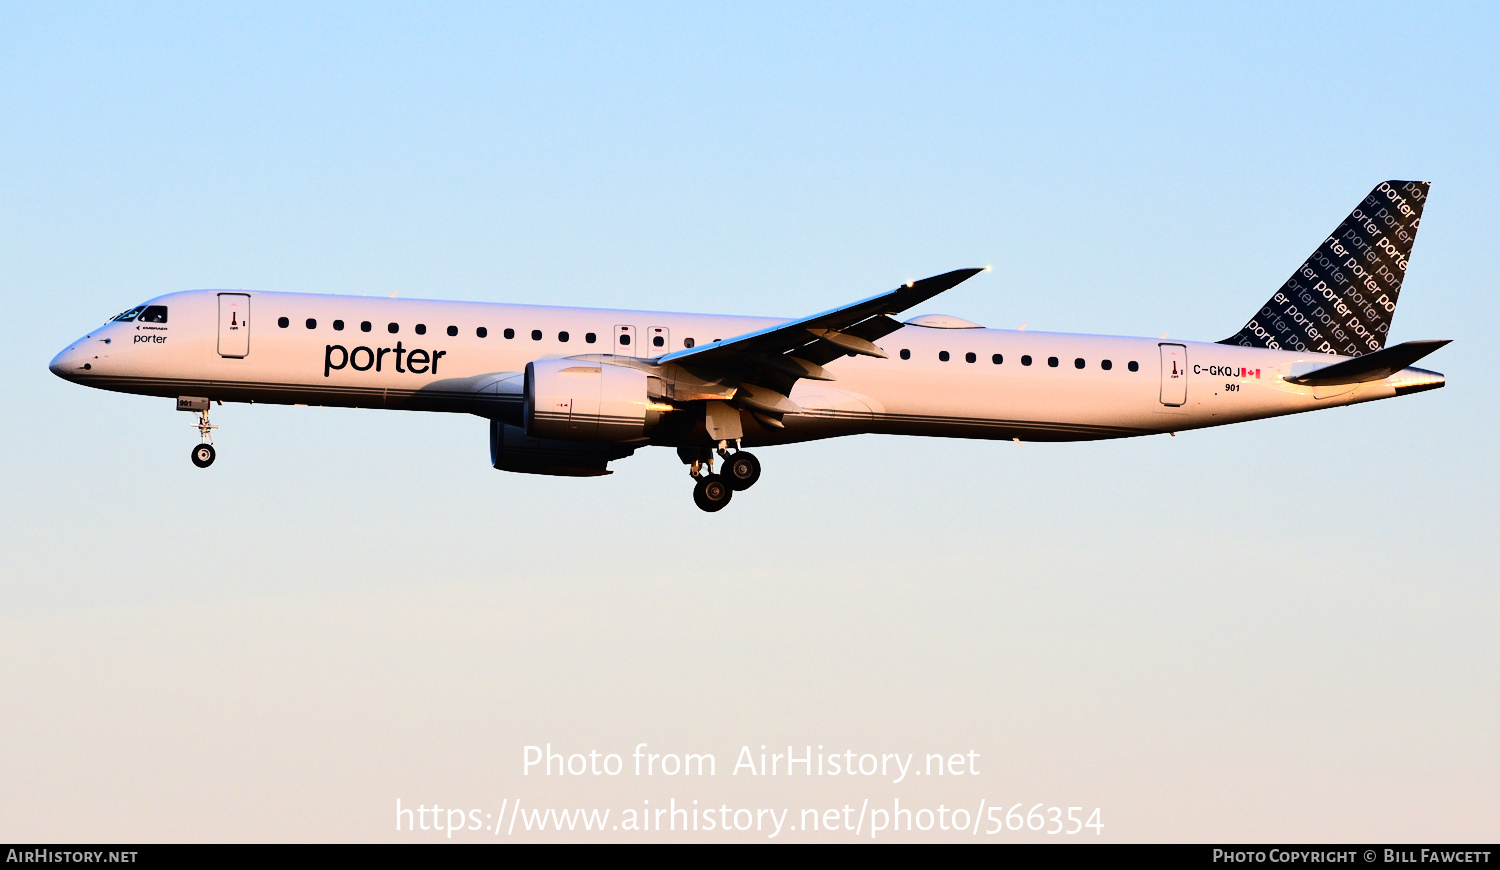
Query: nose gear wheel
204	454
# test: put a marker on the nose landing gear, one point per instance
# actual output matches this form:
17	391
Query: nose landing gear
203	455
711	492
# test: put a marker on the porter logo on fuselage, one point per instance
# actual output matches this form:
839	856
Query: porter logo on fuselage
362	359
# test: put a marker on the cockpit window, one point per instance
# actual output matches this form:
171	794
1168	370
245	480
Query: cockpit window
129	315
154	314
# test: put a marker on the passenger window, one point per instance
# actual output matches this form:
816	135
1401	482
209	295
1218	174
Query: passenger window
510	333
562	336
154	314
453	330
688	342
905	354
1106	364
338	326
421	329
1026	360
997	359
536	335
127	316
364	326
658	341
590	338
624	338
393	328
1078	363
1052	361
312	323
943	355
482	332
970	357
1134	366
283	322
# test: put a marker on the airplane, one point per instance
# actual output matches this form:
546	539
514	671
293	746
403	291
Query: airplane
569	390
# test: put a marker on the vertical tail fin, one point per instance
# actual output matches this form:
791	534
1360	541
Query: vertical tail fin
1342	299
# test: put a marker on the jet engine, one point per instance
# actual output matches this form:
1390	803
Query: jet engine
513	450
579	400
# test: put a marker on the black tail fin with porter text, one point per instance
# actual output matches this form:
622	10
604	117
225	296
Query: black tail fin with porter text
1342	299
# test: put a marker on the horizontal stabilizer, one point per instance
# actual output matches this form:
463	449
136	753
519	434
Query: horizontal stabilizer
1375	366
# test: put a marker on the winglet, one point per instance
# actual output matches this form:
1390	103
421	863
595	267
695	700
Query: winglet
917	292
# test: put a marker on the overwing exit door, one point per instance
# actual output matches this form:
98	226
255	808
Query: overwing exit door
659	341
234	325
625	343
1173	375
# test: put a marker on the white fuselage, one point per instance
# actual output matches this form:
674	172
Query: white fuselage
430	355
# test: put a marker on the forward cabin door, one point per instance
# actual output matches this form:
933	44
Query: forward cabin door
659	341
1174	375
625	343
234	325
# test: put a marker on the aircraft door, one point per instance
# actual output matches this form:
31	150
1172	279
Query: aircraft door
1174	375
234	325
659	339
625	343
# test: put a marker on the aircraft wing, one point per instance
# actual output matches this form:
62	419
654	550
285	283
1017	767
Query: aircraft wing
767	362
822	337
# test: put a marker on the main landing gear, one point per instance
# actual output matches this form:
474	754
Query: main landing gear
712	492
741	470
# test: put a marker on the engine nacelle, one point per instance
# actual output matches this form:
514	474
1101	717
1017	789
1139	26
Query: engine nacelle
514	450
587	401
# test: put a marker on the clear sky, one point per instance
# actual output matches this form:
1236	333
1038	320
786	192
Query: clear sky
1278	630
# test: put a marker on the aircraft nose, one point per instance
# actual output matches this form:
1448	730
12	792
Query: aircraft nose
62	365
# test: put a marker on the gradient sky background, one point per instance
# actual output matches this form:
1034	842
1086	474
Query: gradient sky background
1278	630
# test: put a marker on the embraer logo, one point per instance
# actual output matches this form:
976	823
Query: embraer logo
1226	371
417	360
